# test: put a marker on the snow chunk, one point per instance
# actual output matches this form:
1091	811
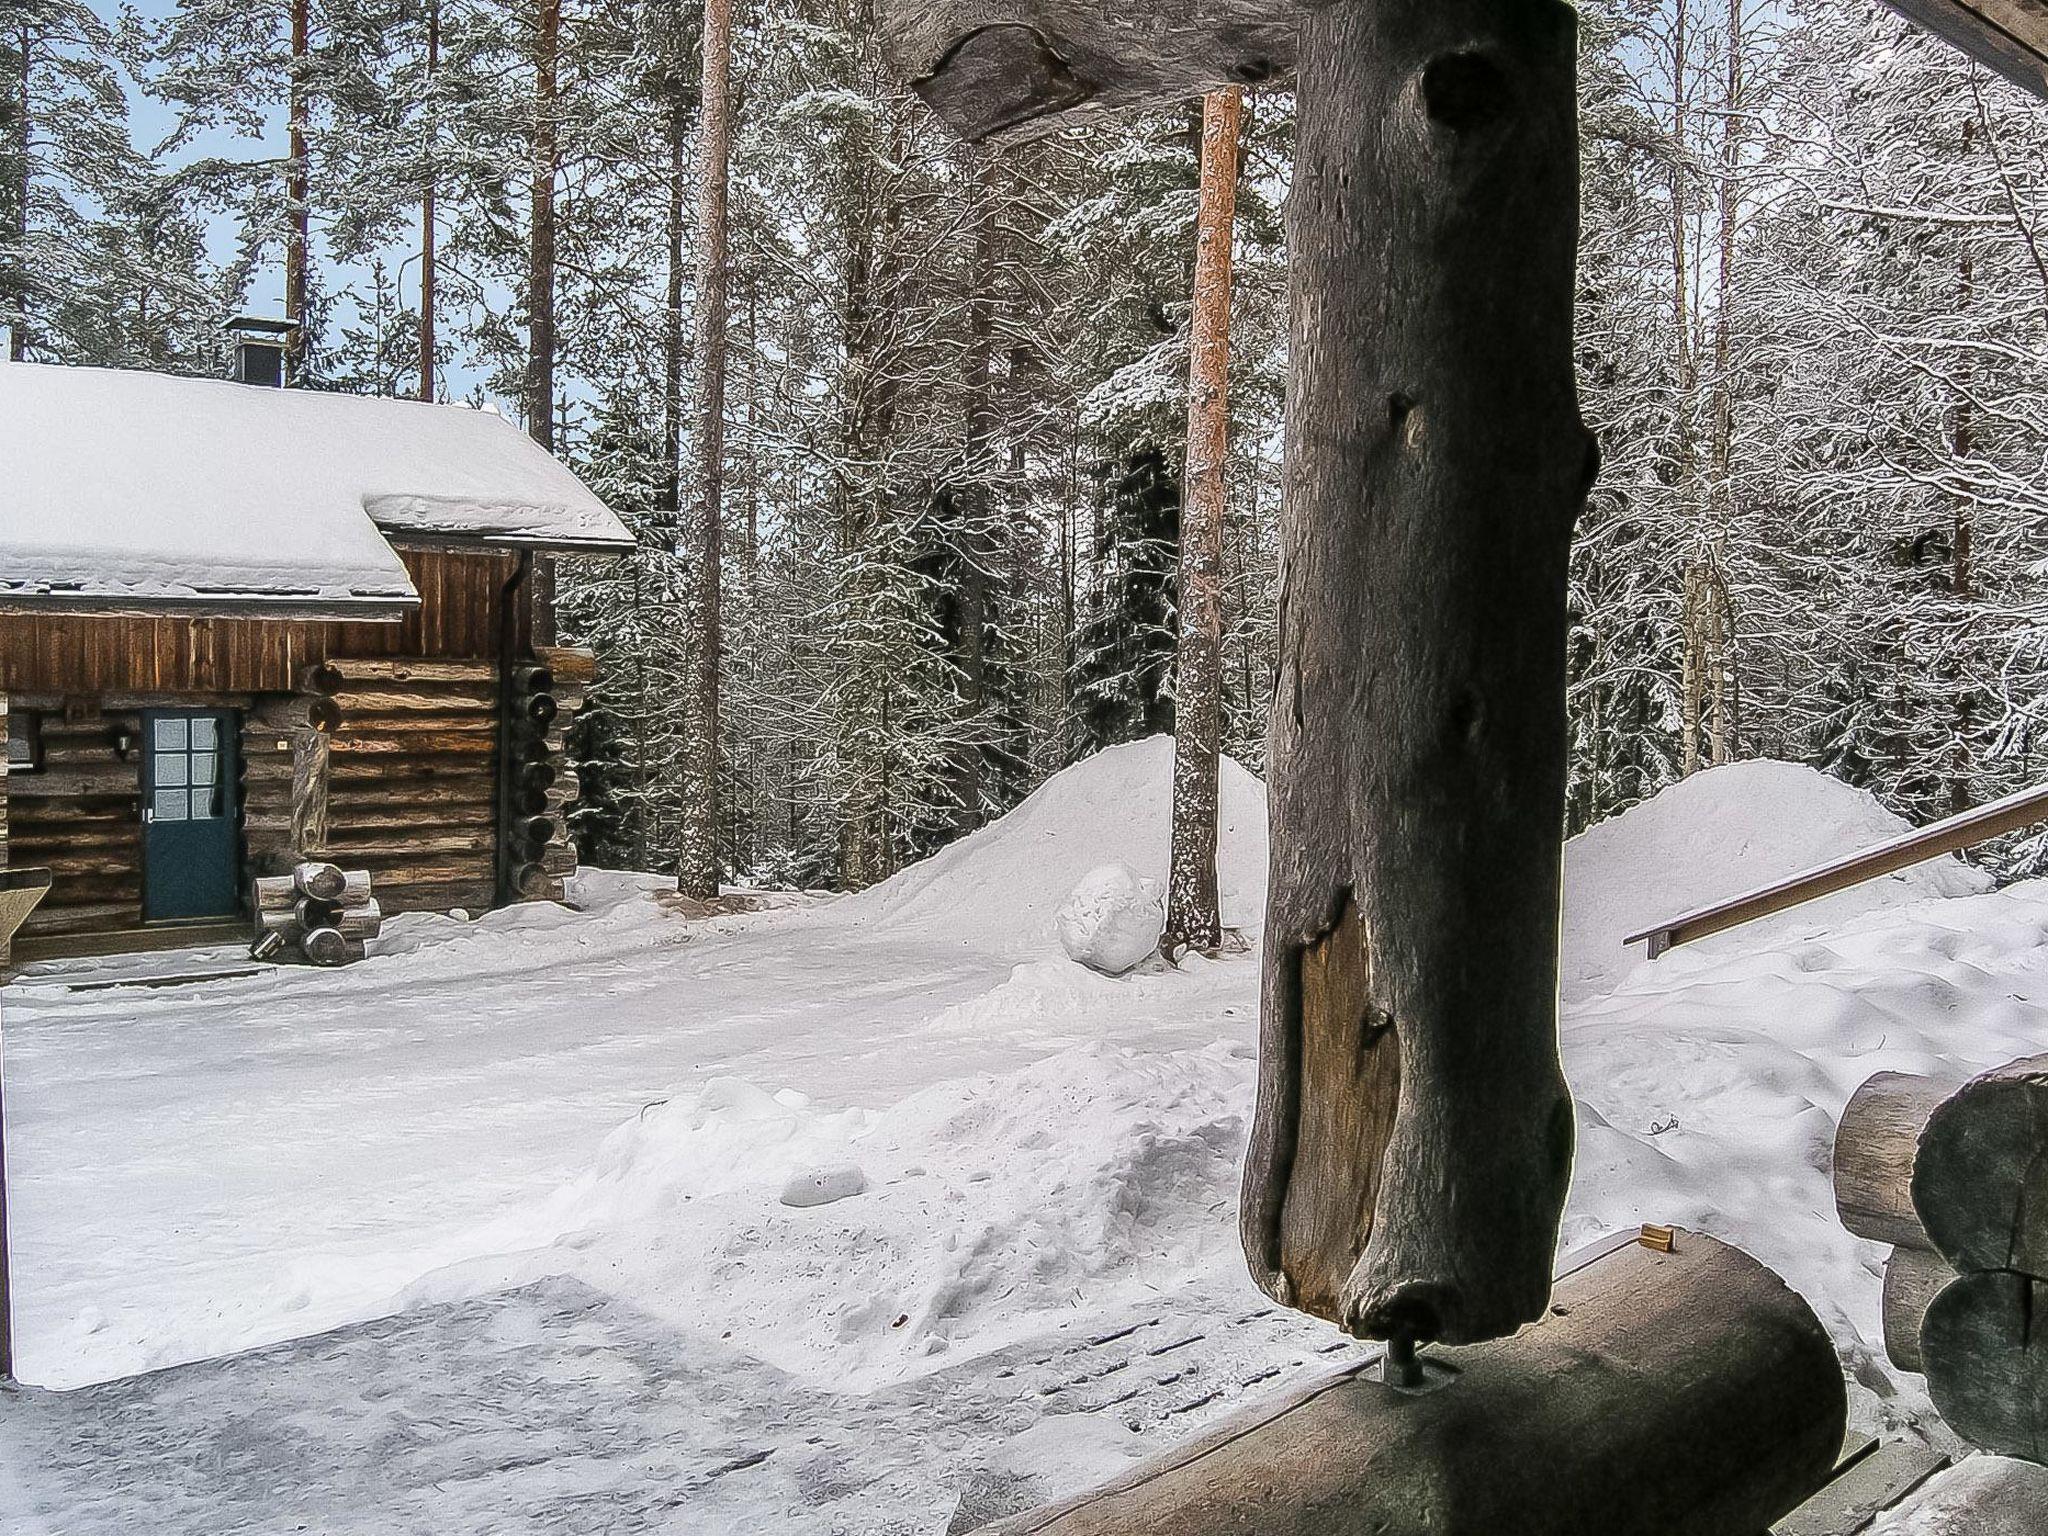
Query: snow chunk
1112	921
823	1186
1716	835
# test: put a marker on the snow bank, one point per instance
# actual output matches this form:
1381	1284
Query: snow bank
1001	888
993	1206
1716	835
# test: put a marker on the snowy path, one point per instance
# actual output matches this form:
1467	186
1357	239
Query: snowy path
256	1158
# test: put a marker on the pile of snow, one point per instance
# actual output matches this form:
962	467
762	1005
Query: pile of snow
1716	835
1002	888
1112	921
987	1208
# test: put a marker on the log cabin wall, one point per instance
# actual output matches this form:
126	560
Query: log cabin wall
404	785
401	783
80	815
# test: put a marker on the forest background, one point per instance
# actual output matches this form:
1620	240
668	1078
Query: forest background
1812	336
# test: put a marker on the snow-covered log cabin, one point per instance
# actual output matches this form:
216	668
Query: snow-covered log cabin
242	626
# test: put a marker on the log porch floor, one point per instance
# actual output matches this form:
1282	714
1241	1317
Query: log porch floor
555	1408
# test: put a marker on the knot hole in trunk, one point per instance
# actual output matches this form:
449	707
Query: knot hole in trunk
1465	91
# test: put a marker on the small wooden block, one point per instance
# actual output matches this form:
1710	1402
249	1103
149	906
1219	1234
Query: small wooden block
1656	1238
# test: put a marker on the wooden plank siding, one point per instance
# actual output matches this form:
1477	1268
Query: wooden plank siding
75	656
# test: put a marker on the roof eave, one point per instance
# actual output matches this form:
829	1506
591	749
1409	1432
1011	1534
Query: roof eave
2008	36
276	607
547	543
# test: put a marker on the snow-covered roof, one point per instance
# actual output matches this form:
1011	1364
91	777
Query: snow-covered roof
141	492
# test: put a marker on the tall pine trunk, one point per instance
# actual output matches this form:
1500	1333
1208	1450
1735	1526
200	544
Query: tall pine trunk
1962	534
540	282
975	513
297	253
669	495
698	869
21	141
429	261
1192	919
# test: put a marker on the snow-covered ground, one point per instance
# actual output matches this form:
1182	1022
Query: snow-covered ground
896	1185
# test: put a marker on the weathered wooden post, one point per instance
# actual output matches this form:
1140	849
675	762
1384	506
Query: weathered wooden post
20	890
1413	1141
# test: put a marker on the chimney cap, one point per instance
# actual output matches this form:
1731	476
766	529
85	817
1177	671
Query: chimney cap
258	325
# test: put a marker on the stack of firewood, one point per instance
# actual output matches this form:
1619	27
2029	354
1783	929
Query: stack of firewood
319	913
1951	1174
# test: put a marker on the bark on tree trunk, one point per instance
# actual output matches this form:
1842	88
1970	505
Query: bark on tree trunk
698	870
23	142
670	495
429	261
974	517
540	262
540	286
1192	920
1436	463
296	252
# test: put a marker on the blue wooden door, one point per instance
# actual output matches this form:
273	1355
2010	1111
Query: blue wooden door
191	843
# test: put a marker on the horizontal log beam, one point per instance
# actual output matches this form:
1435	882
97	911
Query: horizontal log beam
338	671
345	743
2009	36
569	663
1686	1393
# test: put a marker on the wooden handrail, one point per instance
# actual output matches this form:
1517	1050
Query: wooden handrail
2026	809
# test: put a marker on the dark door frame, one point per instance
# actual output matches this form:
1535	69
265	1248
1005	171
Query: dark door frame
225	790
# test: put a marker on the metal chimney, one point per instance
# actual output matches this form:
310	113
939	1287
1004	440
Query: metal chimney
258	350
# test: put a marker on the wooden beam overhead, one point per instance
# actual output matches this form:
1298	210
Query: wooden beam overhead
2008	36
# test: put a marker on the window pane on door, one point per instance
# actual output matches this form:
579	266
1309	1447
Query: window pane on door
170	735
170	805
202	767
202	734
170	769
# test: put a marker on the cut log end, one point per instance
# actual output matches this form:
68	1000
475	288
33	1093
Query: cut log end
1912	1280
326	946
1980	1182
1875	1149
1986	1360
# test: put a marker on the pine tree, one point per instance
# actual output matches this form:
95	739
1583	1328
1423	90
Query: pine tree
1192	920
